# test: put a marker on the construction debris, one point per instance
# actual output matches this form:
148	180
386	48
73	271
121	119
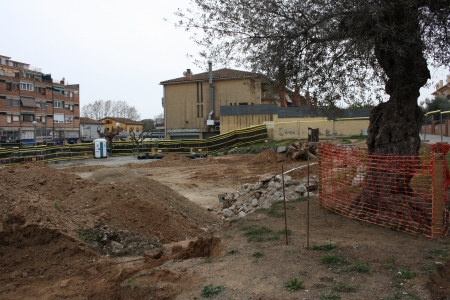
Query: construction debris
302	150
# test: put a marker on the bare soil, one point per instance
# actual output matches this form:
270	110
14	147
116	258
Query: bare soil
151	231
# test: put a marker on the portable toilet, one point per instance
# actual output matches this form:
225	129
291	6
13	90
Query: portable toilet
100	149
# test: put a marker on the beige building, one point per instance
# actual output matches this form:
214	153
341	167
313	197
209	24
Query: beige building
124	124
192	102
443	90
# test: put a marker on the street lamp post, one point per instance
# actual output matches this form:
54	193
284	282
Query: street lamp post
34	125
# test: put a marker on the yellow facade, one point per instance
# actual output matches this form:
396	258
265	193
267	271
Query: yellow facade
111	124
187	105
298	129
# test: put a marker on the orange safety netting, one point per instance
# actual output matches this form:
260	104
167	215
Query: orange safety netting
405	193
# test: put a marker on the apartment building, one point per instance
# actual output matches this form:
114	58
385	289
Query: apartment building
35	108
443	90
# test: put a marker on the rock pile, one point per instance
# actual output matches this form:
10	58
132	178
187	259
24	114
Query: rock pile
263	193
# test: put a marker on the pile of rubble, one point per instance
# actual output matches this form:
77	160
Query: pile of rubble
107	241
262	194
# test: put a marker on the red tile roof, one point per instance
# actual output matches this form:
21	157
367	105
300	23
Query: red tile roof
124	120
217	75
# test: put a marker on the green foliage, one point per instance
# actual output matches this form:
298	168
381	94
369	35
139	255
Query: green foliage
327	246
344	287
428	269
57	205
256	233
405	274
211	291
87	235
132	282
438	103
360	267
293	285
258	254
333	260
438	254
275	210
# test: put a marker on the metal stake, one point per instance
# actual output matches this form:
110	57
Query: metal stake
284	201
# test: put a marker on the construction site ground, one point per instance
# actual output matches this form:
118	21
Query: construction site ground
119	228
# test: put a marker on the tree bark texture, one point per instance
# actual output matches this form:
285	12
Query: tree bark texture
395	125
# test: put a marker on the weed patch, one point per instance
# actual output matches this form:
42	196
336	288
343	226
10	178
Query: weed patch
132	282
360	267
258	254
211	291
344	287
57	205
87	235
293	285
405	274
327	246
333	260
258	234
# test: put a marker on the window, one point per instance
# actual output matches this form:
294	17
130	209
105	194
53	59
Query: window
16	118
8	119
15	86
58	118
40	119
66	93
28	118
38	104
16	102
8	102
58	104
8	86
71	107
66	106
26	86
44	105
68	119
71	95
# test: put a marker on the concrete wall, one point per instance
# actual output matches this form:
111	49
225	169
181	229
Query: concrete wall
295	129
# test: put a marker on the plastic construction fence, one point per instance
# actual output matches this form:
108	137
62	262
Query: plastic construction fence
404	193
218	143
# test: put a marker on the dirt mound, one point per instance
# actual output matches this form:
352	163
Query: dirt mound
46	213
111	175
267	156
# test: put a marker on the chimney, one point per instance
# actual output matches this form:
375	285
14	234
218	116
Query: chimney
188	74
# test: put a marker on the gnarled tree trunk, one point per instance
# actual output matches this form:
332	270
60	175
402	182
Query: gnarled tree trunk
395	125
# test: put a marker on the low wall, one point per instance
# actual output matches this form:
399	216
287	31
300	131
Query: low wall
327	129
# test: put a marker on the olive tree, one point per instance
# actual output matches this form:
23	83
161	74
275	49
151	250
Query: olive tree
348	51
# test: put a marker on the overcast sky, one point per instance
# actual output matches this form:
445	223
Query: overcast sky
115	50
